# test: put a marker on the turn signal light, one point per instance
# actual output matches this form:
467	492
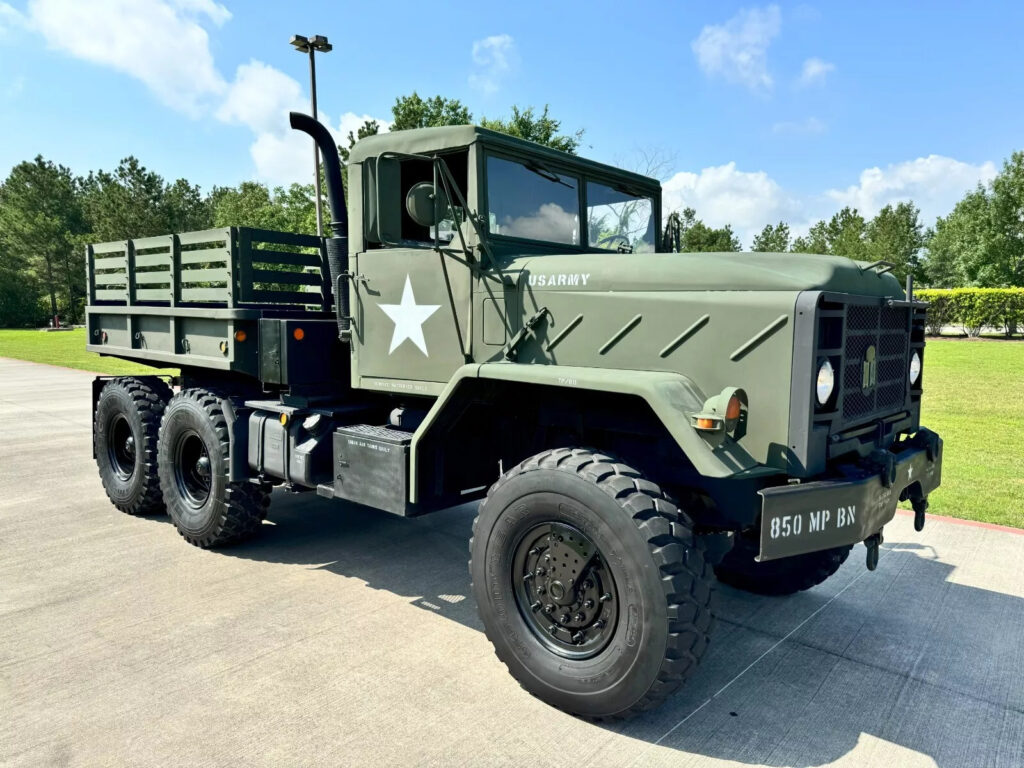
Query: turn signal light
284	419
732	411
240	336
702	423
299	334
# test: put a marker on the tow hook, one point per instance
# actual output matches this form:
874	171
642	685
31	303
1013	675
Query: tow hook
920	507
873	542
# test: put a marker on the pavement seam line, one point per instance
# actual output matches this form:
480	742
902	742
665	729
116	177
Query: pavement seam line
750	666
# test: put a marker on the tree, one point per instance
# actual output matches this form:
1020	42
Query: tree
895	235
772	239
685	233
415	112
815	241
136	202
40	217
1003	265
368	128
959	245
542	129
252	204
846	233
19	291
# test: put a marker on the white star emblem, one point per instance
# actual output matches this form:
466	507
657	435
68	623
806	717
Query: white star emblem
408	318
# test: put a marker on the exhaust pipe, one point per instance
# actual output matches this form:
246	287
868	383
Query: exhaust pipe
337	244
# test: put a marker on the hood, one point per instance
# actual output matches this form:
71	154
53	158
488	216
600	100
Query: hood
703	272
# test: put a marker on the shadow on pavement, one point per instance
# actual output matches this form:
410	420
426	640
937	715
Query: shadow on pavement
907	657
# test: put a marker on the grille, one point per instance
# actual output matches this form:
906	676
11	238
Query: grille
876	348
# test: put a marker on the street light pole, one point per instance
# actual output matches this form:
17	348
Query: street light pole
311	45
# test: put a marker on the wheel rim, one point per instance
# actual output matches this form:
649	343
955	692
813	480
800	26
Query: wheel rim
192	469
565	590
121	447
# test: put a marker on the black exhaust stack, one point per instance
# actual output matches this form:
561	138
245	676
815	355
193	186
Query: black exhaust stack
337	244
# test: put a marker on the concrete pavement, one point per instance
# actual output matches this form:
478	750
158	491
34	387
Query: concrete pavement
348	637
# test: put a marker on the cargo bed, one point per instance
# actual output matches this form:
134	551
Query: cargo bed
197	298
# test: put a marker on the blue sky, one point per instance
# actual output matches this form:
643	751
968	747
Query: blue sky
755	112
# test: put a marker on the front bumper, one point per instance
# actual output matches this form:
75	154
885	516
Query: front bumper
818	515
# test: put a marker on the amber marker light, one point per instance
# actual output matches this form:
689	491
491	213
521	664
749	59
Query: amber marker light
732	411
240	336
705	423
284	419
299	334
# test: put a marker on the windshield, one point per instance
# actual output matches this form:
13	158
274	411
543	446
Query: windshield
531	201
619	220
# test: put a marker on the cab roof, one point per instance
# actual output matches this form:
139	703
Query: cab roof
429	140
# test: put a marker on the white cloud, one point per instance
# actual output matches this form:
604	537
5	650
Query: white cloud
814	72
935	184
261	97
10	19
160	43
724	195
737	50
494	57
351	122
809	127
216	12
164	44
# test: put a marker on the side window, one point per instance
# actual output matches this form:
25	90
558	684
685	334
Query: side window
618	219
533	202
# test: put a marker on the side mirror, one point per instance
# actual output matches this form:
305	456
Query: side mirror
425	204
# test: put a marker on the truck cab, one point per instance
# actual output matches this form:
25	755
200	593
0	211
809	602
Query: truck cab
507	199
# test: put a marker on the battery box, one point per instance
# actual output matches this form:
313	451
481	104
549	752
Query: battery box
371	466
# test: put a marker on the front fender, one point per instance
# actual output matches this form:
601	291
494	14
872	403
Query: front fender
672	397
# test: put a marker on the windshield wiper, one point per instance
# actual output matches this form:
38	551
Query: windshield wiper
546	173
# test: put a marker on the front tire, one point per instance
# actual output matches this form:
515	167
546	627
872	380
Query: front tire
618	609
194	464
785	576
125	427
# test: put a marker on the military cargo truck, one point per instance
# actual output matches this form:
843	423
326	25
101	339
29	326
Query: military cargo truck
491	319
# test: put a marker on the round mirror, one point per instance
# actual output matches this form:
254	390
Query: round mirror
425	205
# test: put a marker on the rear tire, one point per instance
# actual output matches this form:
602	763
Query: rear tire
778	577
194	465
125	427
569	522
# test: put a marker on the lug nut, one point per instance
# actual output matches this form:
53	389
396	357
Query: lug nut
549	608
540	571
599	624
527	577
540	589
606	597
577	637
533	552
588	584
588	603
580	617
536	606
553	628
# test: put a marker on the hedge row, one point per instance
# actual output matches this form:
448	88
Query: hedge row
974	309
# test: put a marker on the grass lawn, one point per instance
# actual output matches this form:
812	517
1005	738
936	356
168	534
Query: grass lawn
65	348
974	398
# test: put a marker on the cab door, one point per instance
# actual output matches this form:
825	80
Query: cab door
411	316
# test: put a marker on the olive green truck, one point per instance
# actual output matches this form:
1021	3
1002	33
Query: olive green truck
492	319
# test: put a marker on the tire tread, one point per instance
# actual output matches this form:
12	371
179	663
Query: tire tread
686	577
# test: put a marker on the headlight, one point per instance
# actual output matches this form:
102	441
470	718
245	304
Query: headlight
826	382
915	368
